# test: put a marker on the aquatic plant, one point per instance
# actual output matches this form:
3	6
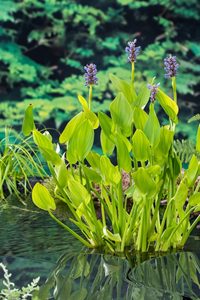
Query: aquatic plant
9	293
146	153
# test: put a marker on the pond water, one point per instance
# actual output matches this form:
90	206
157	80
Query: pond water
32	244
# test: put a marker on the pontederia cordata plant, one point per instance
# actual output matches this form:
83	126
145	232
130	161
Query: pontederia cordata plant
144	150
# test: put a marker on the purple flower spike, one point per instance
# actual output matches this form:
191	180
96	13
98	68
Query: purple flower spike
171	66
132	51
154	91
90	77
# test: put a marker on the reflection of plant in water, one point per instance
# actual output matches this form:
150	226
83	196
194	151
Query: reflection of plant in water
88	277
176	273
16	294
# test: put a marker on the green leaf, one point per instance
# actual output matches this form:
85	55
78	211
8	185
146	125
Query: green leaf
121	114
123	156
142	176
63	175
123	87
83	102
106	144
88	113
71	126
154	170
152	127
143	97
94	160
141	146
51	156
92	175
161	151
81	142
28	123
192	172
113	237
194	200
169	106
181	195
78	192
109	172
42	198
198	140
139	117
106	125
41	140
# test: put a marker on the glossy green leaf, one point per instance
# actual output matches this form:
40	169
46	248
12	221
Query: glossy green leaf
161	151
181	195
123	156
144	182
194	200
41	140
109	172
28	123
42	198
90	115
106	125
143	97
106	144
166	234
81	142
152	127
78	192
93	159
191	173
63	175
141	146
169	106
50	156
139	117
113	237
71	126
123	87
121	114
198	140
154	170
83	102
92	175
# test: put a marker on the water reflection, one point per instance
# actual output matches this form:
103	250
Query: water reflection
176	273
98	277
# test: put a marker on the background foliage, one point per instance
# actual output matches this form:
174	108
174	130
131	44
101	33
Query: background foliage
44	45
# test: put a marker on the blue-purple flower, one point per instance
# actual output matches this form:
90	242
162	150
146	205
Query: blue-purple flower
154	91
132	51
171	66
90	76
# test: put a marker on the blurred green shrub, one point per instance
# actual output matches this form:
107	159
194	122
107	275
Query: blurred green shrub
45	44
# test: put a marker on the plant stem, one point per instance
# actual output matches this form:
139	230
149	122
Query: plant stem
132	75
90	97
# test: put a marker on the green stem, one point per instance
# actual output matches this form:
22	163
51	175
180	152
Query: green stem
90	97
174	89
80	173
72	232
132	75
